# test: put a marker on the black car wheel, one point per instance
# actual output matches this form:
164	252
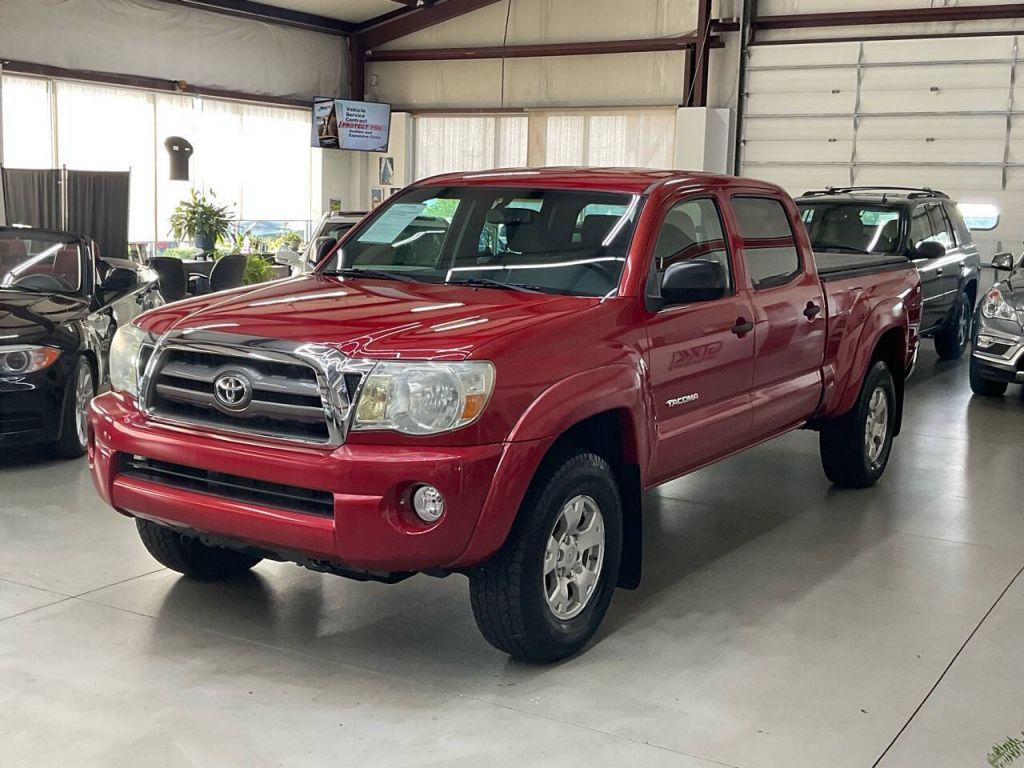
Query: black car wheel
855	447
189	556
74	432
986	387
542	596
951	341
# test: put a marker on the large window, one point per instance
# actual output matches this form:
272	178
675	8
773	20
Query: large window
469	143
255	158
640	138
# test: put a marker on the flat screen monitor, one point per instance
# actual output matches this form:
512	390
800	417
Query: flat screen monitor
357	125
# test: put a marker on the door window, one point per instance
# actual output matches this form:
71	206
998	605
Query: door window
768	244
942	230
692	230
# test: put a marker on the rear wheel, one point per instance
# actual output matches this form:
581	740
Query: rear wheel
542	596
951	341
855	448
74	433
189	556
986	387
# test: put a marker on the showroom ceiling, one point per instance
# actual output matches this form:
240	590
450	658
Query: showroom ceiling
335	16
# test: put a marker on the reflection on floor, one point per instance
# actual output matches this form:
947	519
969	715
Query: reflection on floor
781	622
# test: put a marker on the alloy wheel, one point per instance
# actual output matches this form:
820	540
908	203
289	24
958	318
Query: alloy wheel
876	427
84	392
573	557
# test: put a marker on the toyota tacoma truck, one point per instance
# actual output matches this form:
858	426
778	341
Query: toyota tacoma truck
491	395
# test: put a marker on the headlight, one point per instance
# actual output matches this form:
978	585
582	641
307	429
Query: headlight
24	358
994	306
124	358
420	398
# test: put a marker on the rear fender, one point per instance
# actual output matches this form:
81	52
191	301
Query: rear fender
883	318
570	401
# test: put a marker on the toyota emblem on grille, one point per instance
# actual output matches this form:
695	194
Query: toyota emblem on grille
232	390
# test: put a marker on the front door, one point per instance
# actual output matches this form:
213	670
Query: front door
701	356
938	277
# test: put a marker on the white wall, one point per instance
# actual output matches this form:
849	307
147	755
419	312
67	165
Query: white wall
632	79
156	39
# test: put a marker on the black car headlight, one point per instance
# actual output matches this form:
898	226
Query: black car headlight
25	358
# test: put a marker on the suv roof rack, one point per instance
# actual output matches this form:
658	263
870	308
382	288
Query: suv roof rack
914	191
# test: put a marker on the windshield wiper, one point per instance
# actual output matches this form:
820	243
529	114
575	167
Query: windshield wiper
375	273
486	282
838	247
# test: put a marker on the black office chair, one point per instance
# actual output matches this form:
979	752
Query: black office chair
173	285
228	272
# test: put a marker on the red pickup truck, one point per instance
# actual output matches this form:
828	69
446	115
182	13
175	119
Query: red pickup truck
484	377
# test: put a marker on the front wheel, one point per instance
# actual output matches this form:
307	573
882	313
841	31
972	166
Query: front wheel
189	556
986	387
542	596
74	430
951	341
855	448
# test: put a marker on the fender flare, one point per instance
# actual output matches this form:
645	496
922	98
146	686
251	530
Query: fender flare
551	414
881	320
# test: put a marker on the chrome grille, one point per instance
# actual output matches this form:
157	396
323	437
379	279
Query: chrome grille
264	387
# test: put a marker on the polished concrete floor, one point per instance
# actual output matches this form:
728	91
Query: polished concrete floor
782	622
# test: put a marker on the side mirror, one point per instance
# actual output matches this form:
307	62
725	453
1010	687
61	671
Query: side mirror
119	281
930	250
322	246
288	257
692	281
1004	262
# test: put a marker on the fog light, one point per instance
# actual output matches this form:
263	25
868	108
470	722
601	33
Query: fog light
984	342
428	503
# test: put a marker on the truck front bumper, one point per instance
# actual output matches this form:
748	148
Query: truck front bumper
252	493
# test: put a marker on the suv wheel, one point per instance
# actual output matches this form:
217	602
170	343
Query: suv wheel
986	387
542	596
74	431
855	447
190	556
951	341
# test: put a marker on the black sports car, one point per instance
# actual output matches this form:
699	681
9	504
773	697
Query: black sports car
60	304
998	356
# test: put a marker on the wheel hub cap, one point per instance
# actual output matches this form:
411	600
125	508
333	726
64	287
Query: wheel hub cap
573	557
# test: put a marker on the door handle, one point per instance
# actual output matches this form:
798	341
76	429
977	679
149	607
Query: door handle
743	326
938	271
812	310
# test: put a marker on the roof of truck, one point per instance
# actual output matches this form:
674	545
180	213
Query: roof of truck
633	180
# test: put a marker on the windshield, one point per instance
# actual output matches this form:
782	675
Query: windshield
570	242
32	261
852	227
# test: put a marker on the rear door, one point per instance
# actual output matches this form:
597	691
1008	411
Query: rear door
701	354
789	316
939	277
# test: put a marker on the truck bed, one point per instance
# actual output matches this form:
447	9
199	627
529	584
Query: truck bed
835	266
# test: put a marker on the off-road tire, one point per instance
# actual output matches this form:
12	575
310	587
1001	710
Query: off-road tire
507	591
841	441
189	556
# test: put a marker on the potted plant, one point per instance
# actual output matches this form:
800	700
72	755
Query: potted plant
201	220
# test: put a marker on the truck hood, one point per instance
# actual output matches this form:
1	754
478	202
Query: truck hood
370	318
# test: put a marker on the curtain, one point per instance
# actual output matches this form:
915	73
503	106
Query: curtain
469	143
632	138
32	198
98	208
28	140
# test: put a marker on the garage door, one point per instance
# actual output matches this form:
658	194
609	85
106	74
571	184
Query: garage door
941	113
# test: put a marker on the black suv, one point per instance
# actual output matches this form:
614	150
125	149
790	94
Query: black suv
922	225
